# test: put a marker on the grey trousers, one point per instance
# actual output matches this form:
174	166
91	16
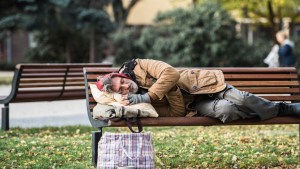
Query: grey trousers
232	104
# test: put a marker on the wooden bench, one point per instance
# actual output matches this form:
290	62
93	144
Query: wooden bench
276	84
45	82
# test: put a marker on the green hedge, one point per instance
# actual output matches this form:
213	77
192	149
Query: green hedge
201	36
6	66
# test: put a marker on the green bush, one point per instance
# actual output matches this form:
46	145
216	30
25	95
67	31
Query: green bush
7	66
126	45
50	50
297	49
201	36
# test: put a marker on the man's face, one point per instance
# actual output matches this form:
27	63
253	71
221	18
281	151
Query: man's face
123	86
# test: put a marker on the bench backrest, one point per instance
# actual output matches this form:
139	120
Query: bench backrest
48	82
275	84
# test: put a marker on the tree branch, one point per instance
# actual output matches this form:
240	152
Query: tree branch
295	16
272	20
258	13
130	6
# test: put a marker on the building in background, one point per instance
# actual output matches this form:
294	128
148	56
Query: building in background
13	47
144	12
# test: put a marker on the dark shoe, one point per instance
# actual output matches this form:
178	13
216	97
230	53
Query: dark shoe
289	109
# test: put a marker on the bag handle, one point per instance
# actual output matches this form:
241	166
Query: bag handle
129	121
139	150
136	120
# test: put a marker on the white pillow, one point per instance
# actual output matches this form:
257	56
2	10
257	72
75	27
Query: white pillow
101	97
114	99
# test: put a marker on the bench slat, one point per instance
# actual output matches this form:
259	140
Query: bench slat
53	70
270	90
256	70
50	84
283	98
43	90
43	80
260	76
33	71
48	97
62	65
262	83
47	75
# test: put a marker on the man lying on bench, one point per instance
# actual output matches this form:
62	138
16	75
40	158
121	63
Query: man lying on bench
199	90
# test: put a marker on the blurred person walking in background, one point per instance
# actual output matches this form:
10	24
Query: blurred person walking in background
272	60
285	51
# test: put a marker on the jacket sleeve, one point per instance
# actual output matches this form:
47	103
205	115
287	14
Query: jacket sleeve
176	102
166	78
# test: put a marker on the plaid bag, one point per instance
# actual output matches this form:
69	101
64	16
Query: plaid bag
133	150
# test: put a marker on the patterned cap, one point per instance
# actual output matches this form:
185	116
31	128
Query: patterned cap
104	81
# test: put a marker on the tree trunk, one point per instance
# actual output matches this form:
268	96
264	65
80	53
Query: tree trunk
92	47
120	13
68	53
272	20
245	26
280	25
9	47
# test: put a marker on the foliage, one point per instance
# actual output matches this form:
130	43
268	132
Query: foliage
269	13
92	18
296	47
197	37
201	36
296	51
258	8
6	80
120	11
65	26
5	66
175	147
126	45
50	50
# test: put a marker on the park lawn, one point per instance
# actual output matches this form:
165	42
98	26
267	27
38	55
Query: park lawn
6	80
264	146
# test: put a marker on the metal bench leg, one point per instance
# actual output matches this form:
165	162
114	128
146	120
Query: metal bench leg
5	117
96	136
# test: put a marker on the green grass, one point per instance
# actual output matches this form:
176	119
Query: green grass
175	147
5	80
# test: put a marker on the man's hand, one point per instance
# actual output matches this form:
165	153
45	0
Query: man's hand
138	98
125	100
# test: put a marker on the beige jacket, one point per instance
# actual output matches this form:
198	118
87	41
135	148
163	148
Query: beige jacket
164	81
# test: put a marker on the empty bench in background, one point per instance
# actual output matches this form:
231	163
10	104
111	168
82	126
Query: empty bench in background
275	84
45	82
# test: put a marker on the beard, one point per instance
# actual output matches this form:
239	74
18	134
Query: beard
134	88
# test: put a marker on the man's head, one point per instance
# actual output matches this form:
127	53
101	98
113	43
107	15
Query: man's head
117	82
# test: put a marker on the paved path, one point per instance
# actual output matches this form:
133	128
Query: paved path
39	114
6	73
